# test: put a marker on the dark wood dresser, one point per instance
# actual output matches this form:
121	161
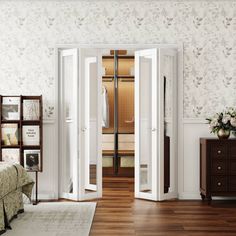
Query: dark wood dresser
217	167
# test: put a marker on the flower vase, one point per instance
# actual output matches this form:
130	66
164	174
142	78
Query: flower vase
223	133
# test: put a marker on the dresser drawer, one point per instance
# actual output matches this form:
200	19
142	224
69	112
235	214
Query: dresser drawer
218	167
219	183
232	166
232	151
218	151
232	183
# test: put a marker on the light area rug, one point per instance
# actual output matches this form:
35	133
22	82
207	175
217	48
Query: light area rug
54	219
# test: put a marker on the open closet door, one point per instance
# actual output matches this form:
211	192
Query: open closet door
168	122
80	124
90	138
156	124
146	124
68	124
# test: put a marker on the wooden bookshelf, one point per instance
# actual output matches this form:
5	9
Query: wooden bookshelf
22	123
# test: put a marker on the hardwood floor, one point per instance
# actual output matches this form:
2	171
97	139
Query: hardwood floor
118	213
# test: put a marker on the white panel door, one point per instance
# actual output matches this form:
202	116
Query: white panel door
90	108
68	124
146	124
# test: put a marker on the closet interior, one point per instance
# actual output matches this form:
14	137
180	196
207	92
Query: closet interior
118	113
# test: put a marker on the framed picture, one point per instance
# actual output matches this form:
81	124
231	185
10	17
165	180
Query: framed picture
32	160
11	155
31	109
10	134
30	134
11	108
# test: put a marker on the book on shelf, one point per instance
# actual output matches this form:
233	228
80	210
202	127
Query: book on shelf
32	160
11	155
31	109
10	134
31	134
11	108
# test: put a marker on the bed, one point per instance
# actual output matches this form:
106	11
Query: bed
14	181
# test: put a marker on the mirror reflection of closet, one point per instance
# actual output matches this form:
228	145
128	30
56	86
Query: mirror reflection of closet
124	110
168	122
167	127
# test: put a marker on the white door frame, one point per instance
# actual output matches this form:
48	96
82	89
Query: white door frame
179	141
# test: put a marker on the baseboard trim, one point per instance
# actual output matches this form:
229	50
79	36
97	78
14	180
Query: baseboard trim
46	196
189	196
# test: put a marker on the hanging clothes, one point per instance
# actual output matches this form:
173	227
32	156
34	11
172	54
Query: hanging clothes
105	108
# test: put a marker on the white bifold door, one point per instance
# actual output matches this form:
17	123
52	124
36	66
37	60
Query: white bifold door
155	124
80	124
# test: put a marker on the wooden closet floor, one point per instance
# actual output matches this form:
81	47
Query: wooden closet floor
118	213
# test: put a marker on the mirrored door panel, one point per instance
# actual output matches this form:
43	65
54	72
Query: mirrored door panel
91	123
146	124
168	72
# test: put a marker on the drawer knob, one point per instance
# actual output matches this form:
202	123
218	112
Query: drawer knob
219	168
219	151
219	183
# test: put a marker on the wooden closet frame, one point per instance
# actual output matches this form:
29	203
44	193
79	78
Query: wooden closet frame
116	170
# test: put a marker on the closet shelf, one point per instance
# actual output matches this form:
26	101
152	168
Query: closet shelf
126	77
120	152
107	76
119	76
119	56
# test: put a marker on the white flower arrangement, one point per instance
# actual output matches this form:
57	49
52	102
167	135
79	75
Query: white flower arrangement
225	120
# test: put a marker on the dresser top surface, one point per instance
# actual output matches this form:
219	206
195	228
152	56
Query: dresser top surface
217	140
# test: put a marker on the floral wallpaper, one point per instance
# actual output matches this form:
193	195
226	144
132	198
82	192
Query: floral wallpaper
29	31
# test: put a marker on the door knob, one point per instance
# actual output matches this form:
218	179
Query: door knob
154	129
84	129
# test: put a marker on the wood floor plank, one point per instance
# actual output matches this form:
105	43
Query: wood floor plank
118	213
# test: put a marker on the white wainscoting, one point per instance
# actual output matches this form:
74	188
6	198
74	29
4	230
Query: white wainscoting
192	130
188	187
48	179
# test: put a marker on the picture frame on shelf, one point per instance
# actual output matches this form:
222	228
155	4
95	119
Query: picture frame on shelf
31	135
10	134
11	108
11	155
32	160
31	109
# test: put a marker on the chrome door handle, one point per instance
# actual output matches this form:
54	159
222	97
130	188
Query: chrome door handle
84	129
154	129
